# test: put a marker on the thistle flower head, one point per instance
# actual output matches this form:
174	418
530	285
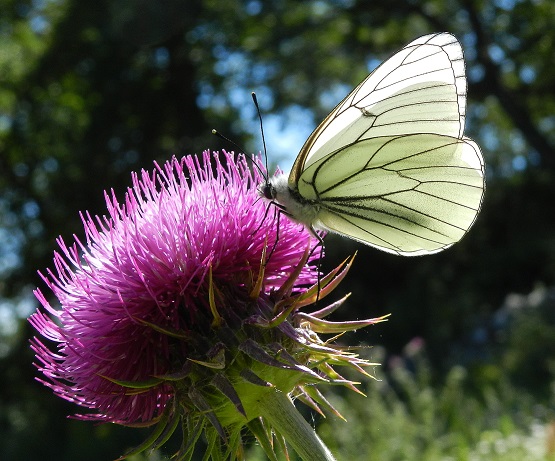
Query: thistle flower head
184	305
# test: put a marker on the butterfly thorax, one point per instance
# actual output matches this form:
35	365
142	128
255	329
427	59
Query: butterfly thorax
290	202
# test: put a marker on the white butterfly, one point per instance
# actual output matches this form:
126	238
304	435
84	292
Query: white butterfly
389	166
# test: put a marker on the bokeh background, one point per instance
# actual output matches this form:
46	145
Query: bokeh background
92	90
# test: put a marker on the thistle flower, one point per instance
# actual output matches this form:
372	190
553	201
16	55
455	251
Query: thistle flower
174	313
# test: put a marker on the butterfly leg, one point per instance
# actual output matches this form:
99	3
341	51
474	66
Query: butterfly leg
280	210
319	267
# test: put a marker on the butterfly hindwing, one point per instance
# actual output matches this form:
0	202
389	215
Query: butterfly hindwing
410	194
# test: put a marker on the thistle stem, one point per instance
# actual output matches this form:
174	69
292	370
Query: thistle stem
278	409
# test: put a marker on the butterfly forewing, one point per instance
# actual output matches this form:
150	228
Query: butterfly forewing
420	89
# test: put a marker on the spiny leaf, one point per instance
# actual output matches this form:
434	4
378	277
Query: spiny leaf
142	385
263	438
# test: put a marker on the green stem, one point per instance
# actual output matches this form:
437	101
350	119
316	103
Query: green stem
278	409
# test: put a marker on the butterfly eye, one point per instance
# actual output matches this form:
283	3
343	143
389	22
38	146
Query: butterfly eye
267	191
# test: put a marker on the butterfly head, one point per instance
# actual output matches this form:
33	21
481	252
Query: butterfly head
274	188
267	190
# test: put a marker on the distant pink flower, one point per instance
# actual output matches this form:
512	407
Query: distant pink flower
168	305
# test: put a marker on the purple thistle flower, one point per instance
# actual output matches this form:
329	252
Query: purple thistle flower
172	303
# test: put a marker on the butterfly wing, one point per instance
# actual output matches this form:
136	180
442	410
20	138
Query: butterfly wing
389	166
410	194
422	88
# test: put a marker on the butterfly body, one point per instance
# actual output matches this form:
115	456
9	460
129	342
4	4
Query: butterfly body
390	166
278	190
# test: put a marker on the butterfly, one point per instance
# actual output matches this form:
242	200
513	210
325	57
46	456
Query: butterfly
390	166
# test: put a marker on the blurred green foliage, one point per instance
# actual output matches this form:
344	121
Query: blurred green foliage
410	416
90	91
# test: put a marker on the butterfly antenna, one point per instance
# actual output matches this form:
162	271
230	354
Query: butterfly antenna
255	100
225	138
240	149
